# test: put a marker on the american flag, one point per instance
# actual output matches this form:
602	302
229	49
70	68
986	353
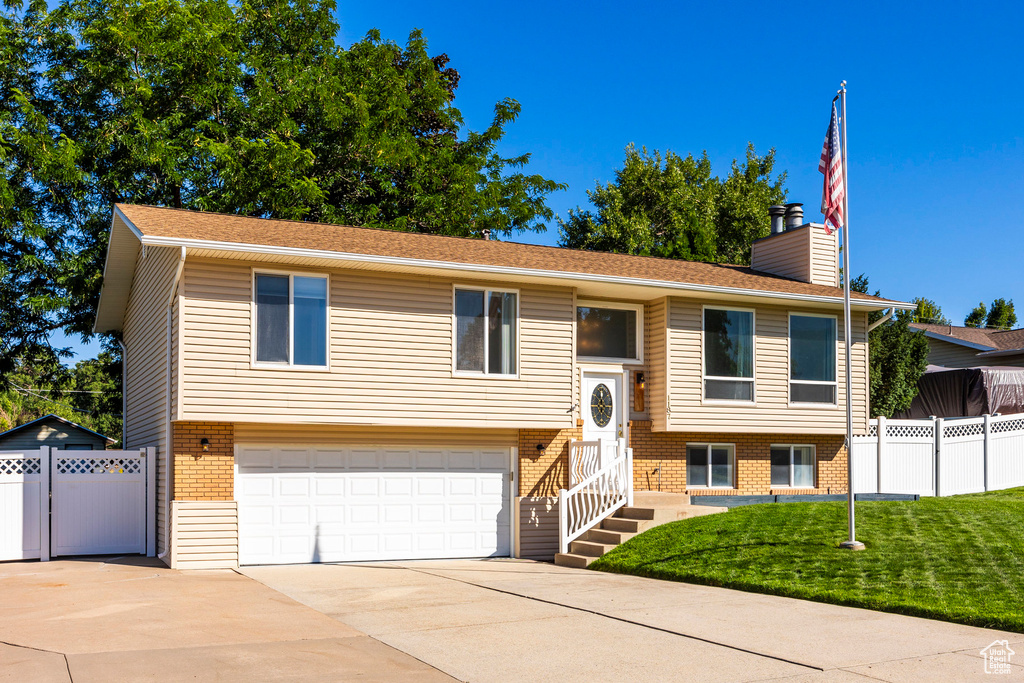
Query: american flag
831	164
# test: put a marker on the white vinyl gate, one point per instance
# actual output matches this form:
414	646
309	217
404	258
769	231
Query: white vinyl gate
55	503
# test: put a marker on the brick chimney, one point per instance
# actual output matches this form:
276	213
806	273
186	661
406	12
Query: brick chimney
800	251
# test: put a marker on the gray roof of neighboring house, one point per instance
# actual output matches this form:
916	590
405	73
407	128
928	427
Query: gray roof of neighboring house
51	416
982	339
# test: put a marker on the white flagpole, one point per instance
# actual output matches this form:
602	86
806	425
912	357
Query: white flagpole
851	543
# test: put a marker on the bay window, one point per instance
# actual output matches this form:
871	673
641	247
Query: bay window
728	354
710	465
291	319
485	331
793	466
812	359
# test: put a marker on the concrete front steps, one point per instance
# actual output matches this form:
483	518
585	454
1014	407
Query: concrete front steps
649	509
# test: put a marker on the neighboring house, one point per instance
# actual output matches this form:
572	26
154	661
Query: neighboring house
970	347
332	393
55	432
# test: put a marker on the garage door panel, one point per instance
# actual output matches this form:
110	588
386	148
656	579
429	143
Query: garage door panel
334	504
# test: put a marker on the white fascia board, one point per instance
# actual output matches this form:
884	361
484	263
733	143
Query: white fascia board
510	270
954	340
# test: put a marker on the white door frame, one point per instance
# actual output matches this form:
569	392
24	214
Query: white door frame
606	369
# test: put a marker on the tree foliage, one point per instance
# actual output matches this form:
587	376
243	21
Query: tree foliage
245	107
673	207
898	358
87	393
999	316
928	311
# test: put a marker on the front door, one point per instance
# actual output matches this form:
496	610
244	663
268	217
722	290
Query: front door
602	411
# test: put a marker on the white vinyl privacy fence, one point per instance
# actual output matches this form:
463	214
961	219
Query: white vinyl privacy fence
940	457
55	502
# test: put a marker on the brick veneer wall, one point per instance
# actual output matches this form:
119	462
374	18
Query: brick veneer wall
543	473
199	475
667	450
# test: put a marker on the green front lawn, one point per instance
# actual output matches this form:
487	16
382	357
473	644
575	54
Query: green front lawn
959	558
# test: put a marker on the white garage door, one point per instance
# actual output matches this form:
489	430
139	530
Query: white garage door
347	504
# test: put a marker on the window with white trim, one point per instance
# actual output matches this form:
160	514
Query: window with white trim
291	319
710	465
485	331
728	354
608	331
793	466
812	359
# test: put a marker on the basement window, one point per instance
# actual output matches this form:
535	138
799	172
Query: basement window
710	465
793	466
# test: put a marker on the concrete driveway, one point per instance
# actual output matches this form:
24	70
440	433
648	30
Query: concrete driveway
135	620
507	620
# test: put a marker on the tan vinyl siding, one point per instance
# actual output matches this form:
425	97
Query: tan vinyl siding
145	337
390	356
786	254
824	257
370	436
655	343
537	528
771	412
204	535
805	253
957	356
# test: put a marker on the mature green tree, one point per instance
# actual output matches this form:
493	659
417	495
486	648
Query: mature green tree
928	311
1001	315
898	357
673	207
245	107
976	318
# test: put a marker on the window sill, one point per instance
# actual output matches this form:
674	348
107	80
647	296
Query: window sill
814	406
727	402
290	368
462	374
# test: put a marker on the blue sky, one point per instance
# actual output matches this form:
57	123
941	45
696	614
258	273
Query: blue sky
936	138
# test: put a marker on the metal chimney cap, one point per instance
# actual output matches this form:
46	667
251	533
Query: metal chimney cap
794	215
777	210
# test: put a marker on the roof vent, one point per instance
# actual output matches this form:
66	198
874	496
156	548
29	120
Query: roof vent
777	213
794	215
486	233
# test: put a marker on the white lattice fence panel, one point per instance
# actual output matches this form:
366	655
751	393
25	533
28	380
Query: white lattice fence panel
1006	452
22	488
99	503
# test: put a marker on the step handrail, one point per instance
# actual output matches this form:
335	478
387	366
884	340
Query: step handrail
596	497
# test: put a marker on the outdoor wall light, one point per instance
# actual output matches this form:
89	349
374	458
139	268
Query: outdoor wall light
638	392
540	449
205	443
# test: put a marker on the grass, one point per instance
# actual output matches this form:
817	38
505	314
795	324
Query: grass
959	559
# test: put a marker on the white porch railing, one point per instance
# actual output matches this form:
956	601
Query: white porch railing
941	456
595	497
584	460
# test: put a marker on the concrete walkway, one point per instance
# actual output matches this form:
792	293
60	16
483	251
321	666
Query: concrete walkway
507	620
136	620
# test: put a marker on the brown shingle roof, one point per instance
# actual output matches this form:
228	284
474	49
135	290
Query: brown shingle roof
996	340
195	225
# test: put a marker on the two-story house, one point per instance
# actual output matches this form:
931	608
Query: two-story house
330	393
